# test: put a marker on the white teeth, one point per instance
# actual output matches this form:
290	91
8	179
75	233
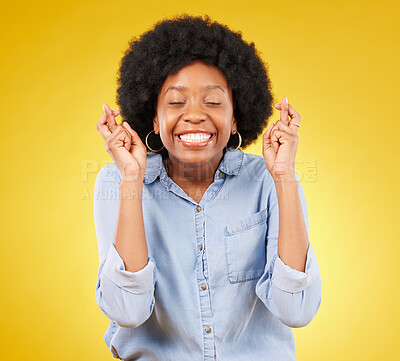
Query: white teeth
195	137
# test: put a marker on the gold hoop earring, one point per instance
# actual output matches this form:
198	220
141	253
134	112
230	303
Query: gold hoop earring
240	142
147	144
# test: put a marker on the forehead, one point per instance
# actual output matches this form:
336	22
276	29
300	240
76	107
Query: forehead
194	76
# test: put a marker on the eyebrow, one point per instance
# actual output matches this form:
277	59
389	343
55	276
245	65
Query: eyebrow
179	87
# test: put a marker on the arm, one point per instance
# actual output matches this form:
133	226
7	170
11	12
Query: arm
292	290
127	276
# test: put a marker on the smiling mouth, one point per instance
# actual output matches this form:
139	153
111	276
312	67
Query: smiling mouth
195	139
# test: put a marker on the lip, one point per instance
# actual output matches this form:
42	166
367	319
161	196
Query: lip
196	144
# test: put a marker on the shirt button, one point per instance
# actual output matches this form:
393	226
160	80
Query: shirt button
220	174
200	247
203	286
207	329
198	208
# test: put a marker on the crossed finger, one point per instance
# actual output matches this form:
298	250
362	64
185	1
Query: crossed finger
280	133
107	122
286	109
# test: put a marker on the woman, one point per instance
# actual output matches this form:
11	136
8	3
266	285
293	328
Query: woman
190	263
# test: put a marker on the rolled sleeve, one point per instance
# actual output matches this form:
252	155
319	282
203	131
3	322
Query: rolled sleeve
124	297
138	282
291	280
294	297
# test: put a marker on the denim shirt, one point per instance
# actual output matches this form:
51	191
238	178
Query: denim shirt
214	287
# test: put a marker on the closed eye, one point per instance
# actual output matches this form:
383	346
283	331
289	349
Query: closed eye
184	103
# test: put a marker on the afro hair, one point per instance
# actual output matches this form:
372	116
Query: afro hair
173	43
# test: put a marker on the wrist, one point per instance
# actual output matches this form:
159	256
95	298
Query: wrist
129	189
285	179
131	182
136	177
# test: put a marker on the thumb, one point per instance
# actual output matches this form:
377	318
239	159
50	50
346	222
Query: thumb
268	150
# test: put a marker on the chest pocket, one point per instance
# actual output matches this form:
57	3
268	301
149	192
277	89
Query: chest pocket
245	247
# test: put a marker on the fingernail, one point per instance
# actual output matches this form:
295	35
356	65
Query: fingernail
286	99
104	109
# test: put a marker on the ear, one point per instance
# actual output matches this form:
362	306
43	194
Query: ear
234	125
155	124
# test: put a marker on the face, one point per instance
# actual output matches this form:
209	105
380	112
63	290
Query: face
196	101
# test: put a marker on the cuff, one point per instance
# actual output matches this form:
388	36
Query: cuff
291	280
138	282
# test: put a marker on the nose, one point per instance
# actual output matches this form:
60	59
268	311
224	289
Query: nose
194	113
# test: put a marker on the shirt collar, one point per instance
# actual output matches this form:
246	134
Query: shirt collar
230	164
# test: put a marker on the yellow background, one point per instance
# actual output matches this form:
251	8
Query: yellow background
338	64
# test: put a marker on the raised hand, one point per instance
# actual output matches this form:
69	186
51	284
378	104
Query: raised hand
280	142
124	145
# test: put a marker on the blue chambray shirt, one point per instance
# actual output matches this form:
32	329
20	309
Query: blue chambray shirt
214	287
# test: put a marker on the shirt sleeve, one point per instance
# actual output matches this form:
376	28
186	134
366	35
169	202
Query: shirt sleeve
123	296
294	297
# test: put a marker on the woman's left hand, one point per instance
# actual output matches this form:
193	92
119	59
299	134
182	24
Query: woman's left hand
280	143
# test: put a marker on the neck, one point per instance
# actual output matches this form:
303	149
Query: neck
197	173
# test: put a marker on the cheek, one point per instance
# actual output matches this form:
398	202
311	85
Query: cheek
167	126
169	116
224	136
224	117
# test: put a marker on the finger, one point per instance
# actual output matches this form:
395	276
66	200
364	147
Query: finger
292	112
110	117
283	137
282	126
277	137
269	152
294	115
269	129
284	111
134	136
116	113
129	130
274	139
294	125
103	128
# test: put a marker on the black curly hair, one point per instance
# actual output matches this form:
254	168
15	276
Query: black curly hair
173	43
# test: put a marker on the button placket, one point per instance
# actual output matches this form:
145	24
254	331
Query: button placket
202	279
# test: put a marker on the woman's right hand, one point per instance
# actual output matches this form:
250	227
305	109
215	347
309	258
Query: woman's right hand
124	145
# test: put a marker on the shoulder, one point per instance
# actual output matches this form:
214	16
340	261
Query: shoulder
109	173
254	164
254	168
252	158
